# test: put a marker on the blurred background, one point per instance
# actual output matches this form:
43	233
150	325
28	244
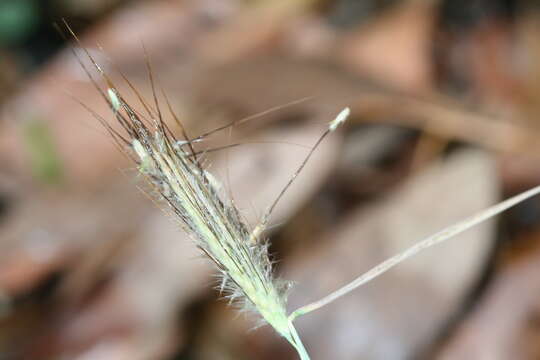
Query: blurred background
445	99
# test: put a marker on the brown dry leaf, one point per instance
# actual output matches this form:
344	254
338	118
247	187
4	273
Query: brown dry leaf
375	322
445	118
395	48
37	241
251	29
504	323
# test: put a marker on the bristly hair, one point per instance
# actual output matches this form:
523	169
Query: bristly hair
176	174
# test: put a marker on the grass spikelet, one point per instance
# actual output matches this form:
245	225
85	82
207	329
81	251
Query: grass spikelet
212	221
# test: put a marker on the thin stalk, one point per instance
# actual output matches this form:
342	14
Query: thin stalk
435	239
297	343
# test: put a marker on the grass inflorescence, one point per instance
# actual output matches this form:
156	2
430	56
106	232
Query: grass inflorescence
176	174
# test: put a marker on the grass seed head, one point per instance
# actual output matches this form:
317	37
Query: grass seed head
211	219
173	168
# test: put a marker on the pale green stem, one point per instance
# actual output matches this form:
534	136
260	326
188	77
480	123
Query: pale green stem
297	343
415	249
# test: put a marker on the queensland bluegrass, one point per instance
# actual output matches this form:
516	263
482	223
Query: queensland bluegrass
176	173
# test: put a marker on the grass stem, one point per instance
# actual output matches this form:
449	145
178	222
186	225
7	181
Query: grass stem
435	239
297	343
